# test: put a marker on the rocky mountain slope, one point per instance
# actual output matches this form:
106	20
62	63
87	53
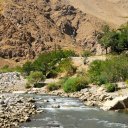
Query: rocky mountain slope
112	11
28	27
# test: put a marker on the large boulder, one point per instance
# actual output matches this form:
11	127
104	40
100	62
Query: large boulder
117	103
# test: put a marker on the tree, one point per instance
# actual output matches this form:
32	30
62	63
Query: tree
27	67
117	40
35	77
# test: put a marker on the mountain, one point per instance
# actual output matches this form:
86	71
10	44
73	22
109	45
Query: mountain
111	11
29	27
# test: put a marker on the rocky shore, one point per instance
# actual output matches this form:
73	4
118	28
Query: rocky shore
11	81
15	109
94	96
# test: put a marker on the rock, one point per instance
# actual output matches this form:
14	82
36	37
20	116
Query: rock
14	110
27	119
45	101
90	103
56	106
19	92
102	97
117	103
84	90
32	100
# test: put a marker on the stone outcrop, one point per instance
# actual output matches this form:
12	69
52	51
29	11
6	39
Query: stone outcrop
116	104
28	27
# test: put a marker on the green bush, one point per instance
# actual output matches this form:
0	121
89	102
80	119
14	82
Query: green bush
39	85
112	70
53	86
35	77
65	65
75	84
52	73
27	67
6	68
47	62
86	53
28	85
117	40
110	87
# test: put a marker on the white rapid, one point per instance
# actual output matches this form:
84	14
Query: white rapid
62	112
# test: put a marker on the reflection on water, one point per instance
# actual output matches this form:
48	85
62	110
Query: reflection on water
71	113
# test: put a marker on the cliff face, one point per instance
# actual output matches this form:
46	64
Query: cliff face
29	27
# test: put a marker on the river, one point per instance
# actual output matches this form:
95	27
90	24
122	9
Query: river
73	114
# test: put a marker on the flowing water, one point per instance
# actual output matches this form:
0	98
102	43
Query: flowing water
73	114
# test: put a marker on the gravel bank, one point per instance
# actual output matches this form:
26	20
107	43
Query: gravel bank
15	109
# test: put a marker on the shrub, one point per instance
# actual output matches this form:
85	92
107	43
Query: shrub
86	53
27	67
46	62
35	77
112	70
53	86
74	84
39	85
28	85
18	69
65	65
116	39
52	73
6	68
110	87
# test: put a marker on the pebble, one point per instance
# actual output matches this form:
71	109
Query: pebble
15	109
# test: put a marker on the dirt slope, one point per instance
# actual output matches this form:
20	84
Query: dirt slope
29	27
111	11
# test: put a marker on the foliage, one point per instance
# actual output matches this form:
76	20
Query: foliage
110	87
74	84
112	70
6	68
53	86
86	53
65	65
27	67
116	39
39	85
35	77
46	62
28	85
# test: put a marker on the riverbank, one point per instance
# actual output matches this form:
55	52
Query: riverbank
15	109
94	96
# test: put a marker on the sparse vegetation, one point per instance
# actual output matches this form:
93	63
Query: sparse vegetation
6	68
75	84
65	65
110	87
28	85
112	70
50	63
35	77
53	86
117	40
86	53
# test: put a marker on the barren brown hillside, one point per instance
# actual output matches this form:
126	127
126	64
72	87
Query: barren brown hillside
111	11
29	27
